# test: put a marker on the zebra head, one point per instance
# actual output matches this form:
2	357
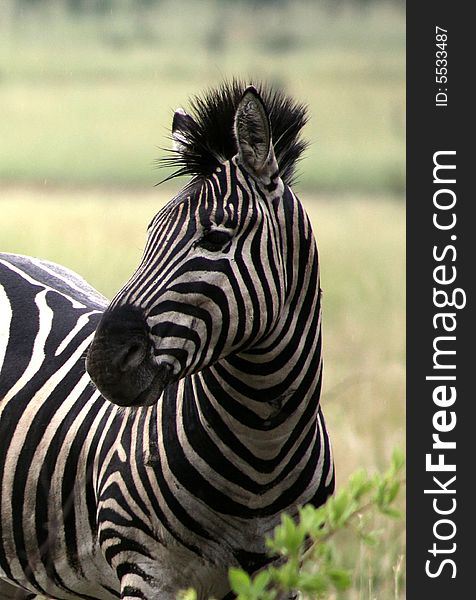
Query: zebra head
213	277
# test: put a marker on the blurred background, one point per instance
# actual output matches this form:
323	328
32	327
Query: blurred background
87	93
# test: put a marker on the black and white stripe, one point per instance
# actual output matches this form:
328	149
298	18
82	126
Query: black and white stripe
214	349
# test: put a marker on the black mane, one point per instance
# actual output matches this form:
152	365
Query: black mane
208	139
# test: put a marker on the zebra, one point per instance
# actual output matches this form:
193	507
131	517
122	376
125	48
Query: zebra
150	443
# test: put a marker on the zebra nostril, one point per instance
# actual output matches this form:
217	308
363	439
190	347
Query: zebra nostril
131	356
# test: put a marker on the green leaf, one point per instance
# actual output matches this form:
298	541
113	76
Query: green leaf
287	575
390	512
313	583
340	508
312	519
360	484
260	581
392	491
340	578
341	502
240	581
380	492
293	535
398	460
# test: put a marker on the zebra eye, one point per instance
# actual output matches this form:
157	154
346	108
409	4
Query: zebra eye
214	240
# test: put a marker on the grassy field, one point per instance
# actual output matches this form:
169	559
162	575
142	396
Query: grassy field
101	234
89	100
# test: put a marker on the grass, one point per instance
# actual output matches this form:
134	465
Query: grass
100	234
88	100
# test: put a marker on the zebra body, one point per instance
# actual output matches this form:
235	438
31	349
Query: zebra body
209	364
47	410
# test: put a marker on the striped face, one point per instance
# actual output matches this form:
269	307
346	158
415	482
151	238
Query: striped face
211	281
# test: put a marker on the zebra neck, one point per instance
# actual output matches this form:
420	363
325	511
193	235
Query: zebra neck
283	369
264	423
267	397
269	386
266	385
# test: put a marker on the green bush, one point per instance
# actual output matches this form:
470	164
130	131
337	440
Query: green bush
306	561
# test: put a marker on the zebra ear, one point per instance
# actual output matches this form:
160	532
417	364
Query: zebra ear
181	124
253	134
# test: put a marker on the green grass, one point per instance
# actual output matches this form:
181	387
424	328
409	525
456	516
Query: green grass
100	234
89	101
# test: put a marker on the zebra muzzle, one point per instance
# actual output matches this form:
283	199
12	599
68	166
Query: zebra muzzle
127	376
120	361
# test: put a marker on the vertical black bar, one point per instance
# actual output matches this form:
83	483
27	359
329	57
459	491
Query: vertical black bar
441	249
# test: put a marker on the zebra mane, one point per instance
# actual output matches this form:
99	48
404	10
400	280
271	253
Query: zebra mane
207	139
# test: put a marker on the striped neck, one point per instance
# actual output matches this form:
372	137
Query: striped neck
270	386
